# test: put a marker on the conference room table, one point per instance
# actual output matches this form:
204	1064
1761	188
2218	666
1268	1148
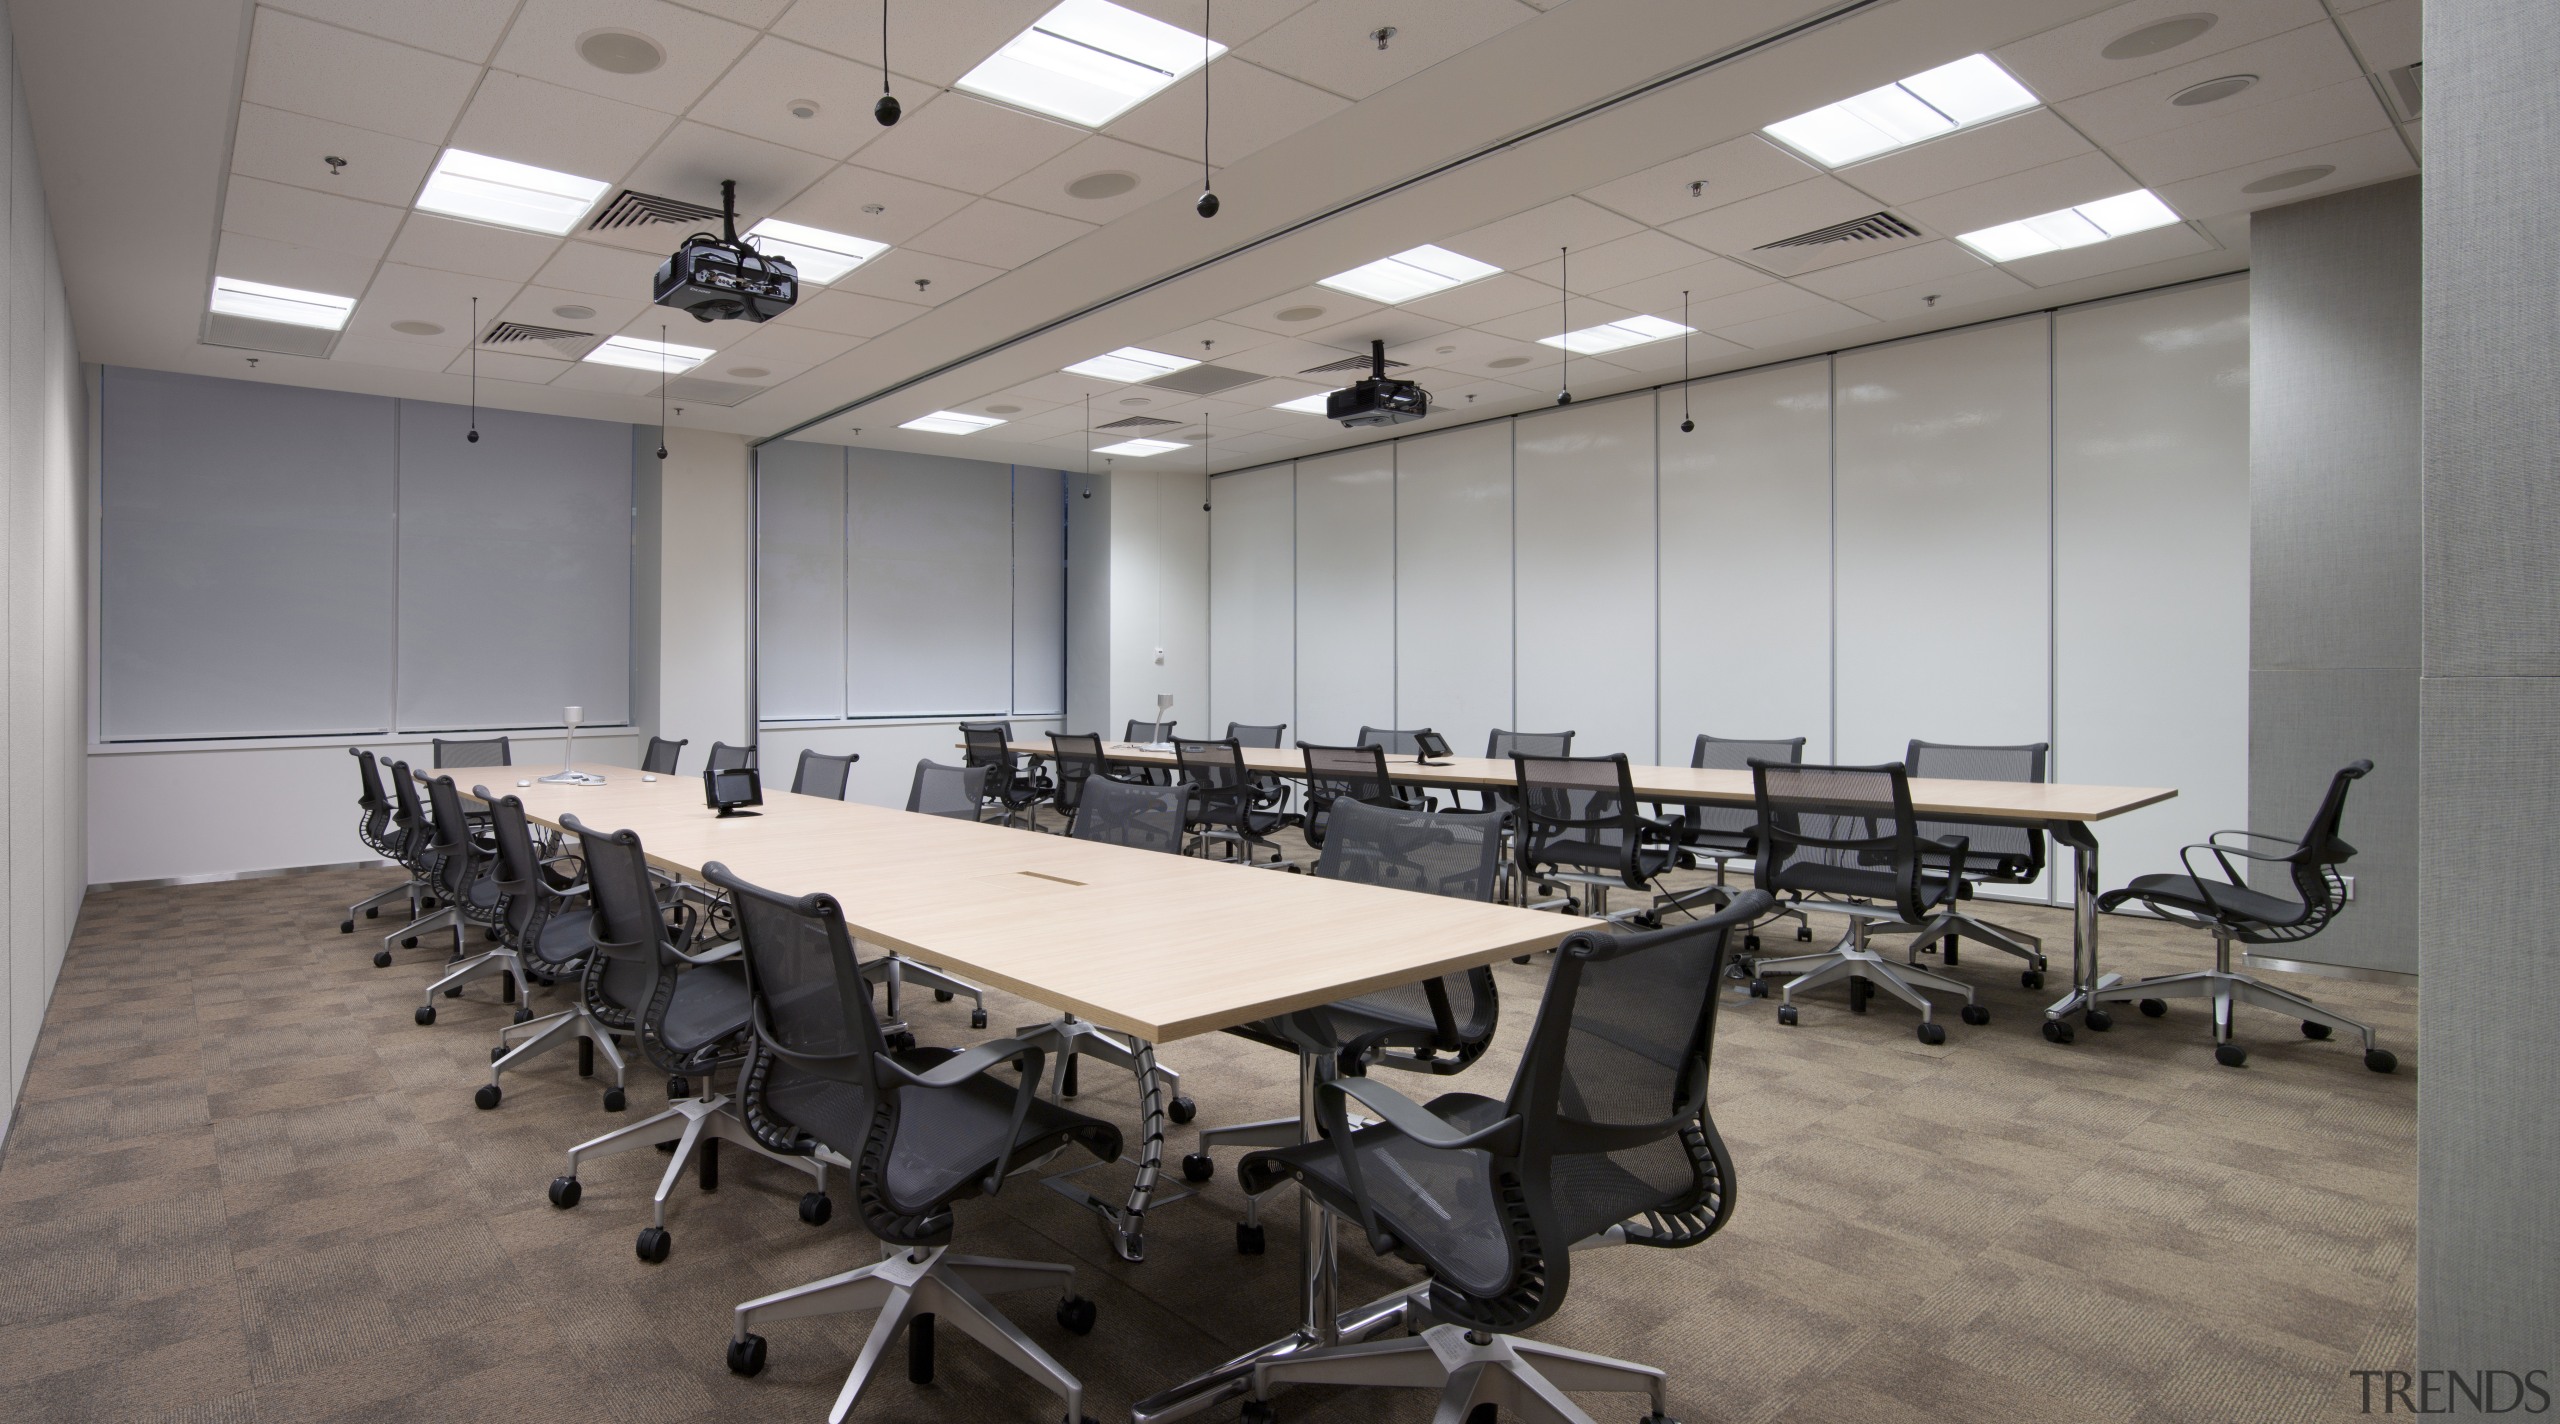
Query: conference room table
2068	813
1152	946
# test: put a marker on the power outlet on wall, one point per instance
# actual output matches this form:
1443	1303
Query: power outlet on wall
1159	657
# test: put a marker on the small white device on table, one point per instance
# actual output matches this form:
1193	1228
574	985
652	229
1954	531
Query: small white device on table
566	776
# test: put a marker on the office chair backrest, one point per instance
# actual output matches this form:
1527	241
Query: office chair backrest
477	751
822	775
813	1019
459	859
662	755
986	746
1149	732
953	791
1392	741
1337	774
1002	730
1211	765
1733	825
1249	734
1078	757
1453	853
1122	813
374	824
2313	867
2009	853
525	901
631	974
1501	745
725	757
1583	802
1841	830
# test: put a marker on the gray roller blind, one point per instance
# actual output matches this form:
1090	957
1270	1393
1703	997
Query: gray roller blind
928	585
1039	591
245	575
800	605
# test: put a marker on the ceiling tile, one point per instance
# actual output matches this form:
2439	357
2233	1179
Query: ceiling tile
592	267
536	306
1954	291
1228	338
567	130
851	313
1741	168
1446	352
308	218
2340	111
655	324
998	234
509	366
465	29
1757	304
474	249
1327	44
1396	326
1235	21
1060	389
1250	108
894	274
781	352
402	293
2069	60
1538	323
2354	162
2295	62
758	13
838	203
1787	328
1527	238
966	143
1325	302
284	147
1496	296
1285	358
543	44
285	264
2140	250
1737	228
758	94
611	380
1702	281
1045	185
691	162
2012	145
2386	35
328	73
935	44
1614	264
1930	261
2085	179
405	353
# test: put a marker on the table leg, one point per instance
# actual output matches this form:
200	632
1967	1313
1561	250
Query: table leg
1125	1225
2087	982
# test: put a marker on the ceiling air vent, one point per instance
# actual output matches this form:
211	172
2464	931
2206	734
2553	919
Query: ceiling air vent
560	340
1137	422
632	208
1347	363
2402	87
697	390
1874	227
1203	380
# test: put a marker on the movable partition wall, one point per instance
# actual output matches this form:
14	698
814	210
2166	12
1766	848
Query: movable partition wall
2030	530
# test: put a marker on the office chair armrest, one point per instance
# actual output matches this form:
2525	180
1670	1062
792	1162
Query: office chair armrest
2214	842
1410	1119
972	1061
2222	856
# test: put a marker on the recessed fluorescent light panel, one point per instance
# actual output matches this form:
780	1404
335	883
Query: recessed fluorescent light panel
1308	405
951	422
641	354
1138	449
821	256
504	194
1130	363
1973	90
1407	275
289	305
1616	335
1089	62
2137	211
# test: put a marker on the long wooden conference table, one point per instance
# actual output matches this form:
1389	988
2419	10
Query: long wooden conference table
2068	813
1155	947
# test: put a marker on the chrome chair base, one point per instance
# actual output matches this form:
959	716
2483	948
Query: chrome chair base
897	971
551	1031
2227	987
926	1282
462	969
1851	958
1521	1378
688	1123
1952	924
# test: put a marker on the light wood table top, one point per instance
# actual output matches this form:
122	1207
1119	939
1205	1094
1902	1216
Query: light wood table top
2007	801
1160	946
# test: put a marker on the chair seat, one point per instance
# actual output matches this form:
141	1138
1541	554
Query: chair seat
566	937
710	1003
1861	883
1439	1205
1601	859
2234	903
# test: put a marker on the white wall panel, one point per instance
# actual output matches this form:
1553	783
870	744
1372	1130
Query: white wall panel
1039	591
1252	601
1585	561
1453	583
34	565
1746	560
2151	548
1159	597
889	752
1943	540
928	585
1346	589
800	606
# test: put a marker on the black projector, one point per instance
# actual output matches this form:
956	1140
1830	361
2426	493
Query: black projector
1377	400
723	279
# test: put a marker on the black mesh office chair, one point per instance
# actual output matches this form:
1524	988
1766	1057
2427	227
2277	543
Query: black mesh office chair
1132	814
1013	796
1500	745
1270	793
414	833
663	755
2227	906
956	792
1393	741
929	1127
1577	822
1720	834
1994	854
1026	765
1149	733
1079	759
382	834
819	774
1251	734
1842	840
1604	1137
1440	1025
545	919
1224	806
724	757
688	1010
467	882
1346	774
473	751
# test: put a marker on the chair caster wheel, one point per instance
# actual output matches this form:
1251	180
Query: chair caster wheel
2230	1055
346	927
900	1042
497	1051
382	959
678	1087
977	1018
1259	1411
410	943
1759	990
2031	978
1804	932
1182	1110
652	1245
2381	1060
426	1014
524	1016
486	1098
2153	1008
746	1357
1198	1167
2314	1030
1520	959
815	1208
2056	1031
1076	1315
1751	944
942	996
564	1192
1249	1240
613	1100
1787	1015
374	914
454	993
2098	1020
1933	1034
1974	1014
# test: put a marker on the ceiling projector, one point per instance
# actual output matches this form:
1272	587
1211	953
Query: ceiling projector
1377	400
723	279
